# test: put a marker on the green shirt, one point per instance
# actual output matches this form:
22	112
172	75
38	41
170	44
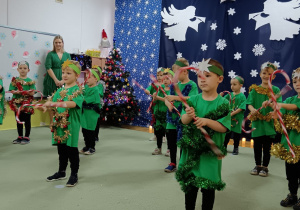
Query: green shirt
2	105
194	91
90	116
160	110
74	116
263	128
101	92
151	89
237	102
293	134
207	168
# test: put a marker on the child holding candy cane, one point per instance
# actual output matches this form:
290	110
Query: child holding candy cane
19	86
66	122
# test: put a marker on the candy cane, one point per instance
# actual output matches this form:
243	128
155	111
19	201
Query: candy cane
287	80
141	87
26	92
225	91
283	91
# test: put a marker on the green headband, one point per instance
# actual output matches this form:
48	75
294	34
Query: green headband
179	63
169	72
216	70
23	63
239	79
99	69
75	68
95	74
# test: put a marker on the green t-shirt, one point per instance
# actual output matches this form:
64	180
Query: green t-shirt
25	87
207	168
73	118
90	116
160	110
293	134
263	128
194	91
151	89
2	105
237	102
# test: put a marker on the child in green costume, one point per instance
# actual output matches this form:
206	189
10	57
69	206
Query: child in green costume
199	167
173	128
237	107
160	110
19	84
101	87
66	122
2	100
290	111
90	112
264	133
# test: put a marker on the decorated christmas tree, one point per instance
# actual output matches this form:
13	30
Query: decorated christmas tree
120	105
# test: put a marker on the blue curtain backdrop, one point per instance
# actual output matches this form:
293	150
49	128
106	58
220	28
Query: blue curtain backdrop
141	37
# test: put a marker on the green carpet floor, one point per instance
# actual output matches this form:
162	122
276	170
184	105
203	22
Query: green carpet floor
123	175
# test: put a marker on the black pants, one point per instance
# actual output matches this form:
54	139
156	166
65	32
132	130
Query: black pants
172	144
24	117
208	199
236	139
89	138
66	153
262	144
159	136
293	175
97	129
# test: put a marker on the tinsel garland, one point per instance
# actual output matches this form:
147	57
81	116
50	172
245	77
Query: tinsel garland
194	141
14	102
16	82
279	151
291	122
258	116
61	119
260	90
160	118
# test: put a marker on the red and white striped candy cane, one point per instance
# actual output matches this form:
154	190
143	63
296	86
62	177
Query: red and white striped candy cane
287	80
26	92
225	91
141	87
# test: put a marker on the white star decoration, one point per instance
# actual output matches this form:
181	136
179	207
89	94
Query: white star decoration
231	74
237	31
243	90
203	65
296	74
237	56
204	47
231	11
179	55
213	26
254	73
276	63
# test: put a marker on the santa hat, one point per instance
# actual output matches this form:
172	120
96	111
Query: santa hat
104	35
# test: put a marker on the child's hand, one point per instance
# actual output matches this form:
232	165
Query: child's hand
42	108
147	92
171	98
154	96
48	104
265	104
190	111
200	122
253	111
222	94
169	105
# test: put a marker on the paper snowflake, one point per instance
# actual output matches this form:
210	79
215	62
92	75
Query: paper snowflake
254	73
276	63
231	11
258	49
295	75
243	90
204	47
179	55
231	74
221	44
203	65
213	26
194	64
237	56
237	31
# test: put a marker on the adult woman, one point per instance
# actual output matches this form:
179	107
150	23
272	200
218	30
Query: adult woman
54	60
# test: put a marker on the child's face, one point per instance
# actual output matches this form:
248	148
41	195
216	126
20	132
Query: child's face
159	76
167	79
23	70
296	84
91	81
235	85
210	82
58	44
265	75
69	76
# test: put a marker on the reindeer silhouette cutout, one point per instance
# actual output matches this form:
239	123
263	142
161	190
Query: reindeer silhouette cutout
179	21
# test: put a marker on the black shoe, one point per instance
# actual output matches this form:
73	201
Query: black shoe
56	176
84	149
25	140
290	200
96	139
91	151
18	140
297	205
72	181
235	151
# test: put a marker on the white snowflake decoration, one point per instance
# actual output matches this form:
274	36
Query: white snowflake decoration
243	89
258	49
231	74
276	63
221	44
296	74
231	11
203	65
237	56
237	31
254	73
194	64
179	55
213	26
204	47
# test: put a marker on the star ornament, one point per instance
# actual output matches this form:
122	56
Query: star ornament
254	73
296	74
203	65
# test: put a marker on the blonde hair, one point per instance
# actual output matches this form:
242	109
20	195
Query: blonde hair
182	60
76	63
268	66
55	38
297	70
